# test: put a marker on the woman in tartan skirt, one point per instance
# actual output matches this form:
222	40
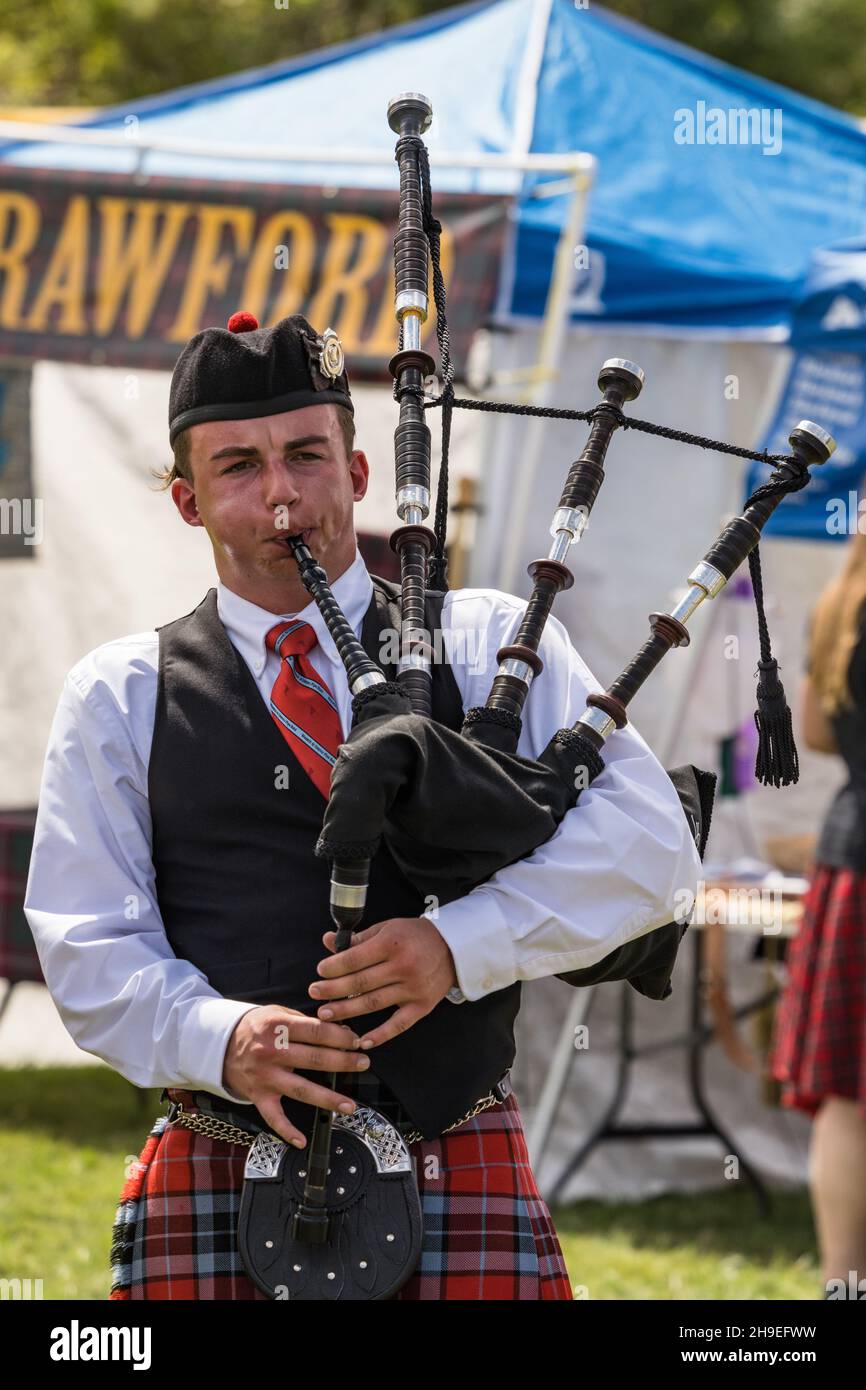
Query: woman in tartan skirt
819	1045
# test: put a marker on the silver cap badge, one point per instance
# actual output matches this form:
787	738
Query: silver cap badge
331	357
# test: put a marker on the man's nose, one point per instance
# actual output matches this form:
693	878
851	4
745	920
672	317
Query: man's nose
278	484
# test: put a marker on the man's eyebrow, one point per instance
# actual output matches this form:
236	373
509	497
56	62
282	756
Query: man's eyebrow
250	450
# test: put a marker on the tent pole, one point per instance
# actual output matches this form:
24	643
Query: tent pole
17	132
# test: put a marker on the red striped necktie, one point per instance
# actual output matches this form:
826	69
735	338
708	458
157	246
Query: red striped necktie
302	705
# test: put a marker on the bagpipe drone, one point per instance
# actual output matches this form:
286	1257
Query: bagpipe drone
455	807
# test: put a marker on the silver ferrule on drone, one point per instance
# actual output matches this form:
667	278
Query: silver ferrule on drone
513	666
598	720
348	894
818	433
363	682
705	582
567	527
413	503
624	364
414	658
411	310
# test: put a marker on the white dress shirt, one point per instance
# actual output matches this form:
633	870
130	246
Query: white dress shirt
609	874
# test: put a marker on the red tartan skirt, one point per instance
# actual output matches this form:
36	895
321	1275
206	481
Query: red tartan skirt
819	1039
487	1234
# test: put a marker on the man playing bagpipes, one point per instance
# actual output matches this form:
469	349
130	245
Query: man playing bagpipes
180	909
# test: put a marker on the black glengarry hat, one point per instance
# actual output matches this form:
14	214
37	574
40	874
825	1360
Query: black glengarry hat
243	371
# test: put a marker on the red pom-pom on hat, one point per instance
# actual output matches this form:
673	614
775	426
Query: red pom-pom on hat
242	322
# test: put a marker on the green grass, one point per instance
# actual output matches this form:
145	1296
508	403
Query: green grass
707	1245
66	1134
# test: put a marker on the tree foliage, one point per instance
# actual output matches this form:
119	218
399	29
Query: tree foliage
815	46
95	52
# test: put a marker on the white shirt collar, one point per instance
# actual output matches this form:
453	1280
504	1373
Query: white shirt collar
247	624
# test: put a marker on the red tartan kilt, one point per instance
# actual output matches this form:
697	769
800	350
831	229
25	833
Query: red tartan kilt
487	1231
819	1040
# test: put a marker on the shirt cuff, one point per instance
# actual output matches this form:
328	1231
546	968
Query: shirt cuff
476	931
203	1042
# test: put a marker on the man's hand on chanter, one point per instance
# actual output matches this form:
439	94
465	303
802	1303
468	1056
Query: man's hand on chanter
404	961
267	1046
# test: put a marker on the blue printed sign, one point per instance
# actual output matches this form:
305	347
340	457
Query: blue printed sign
829	388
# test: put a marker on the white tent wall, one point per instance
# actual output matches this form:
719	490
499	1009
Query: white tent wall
115	556
659	509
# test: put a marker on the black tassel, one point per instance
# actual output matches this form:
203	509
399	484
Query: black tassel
777	763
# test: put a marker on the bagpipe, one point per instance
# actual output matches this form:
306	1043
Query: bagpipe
454	807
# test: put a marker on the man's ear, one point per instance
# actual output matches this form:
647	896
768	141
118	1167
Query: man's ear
359	469
183	497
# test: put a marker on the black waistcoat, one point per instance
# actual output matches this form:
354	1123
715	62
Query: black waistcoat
240	890
842	842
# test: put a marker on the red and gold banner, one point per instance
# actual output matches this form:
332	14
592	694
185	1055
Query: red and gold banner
97	268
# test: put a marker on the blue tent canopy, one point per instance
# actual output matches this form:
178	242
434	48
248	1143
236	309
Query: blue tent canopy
716	233
714	187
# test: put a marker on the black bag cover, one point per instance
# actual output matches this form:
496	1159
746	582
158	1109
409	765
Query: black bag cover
452	811
455	810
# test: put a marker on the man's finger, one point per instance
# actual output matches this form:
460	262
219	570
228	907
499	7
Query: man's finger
367	934
344	986
311	1093
270	1110
399	1021
311	1029
371	1003
357	957
310	1057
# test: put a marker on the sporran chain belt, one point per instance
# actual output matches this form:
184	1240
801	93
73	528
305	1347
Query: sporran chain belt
216	1128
